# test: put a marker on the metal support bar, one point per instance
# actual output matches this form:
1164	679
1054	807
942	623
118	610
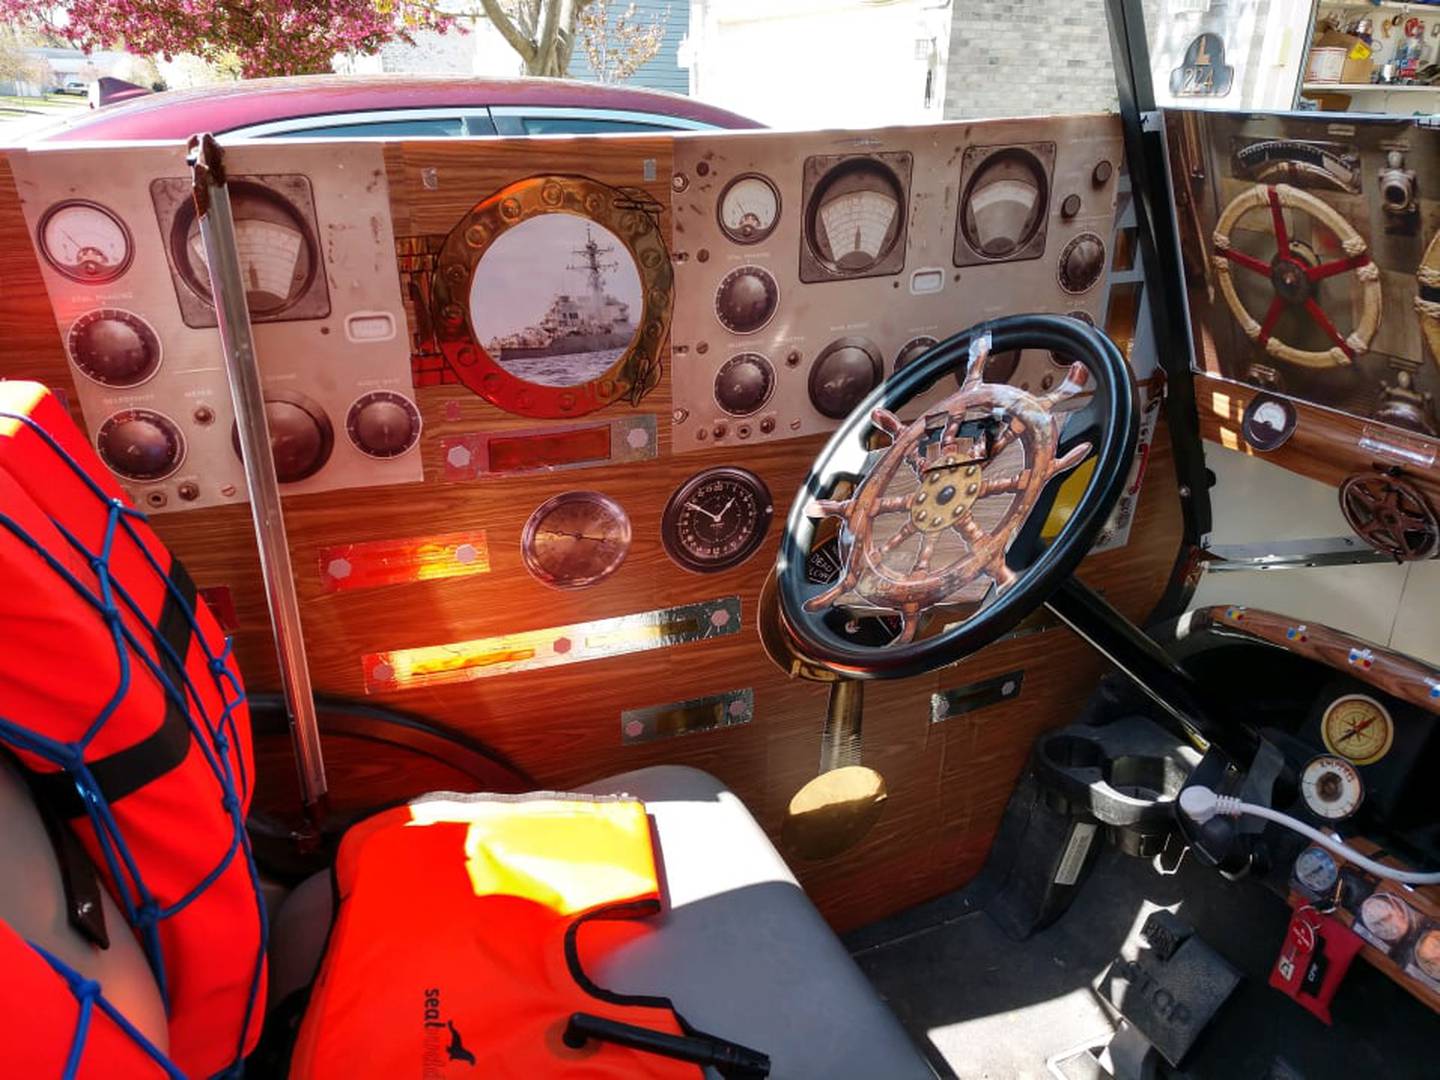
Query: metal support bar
1165	278
1201	719
227	284
840	739
1292	554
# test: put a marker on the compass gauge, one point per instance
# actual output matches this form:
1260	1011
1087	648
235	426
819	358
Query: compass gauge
717	519
1331	787
576	539
85	242
1359	728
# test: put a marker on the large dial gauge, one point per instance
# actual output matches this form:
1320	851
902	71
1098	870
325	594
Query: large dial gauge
749	208
717	519
1002	214
85	242
1331	787
1359	728
855	219
278	254
576	539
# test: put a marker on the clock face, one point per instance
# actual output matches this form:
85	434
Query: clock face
575	539
716	519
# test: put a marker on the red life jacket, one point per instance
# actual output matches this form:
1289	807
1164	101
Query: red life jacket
460	943
116	680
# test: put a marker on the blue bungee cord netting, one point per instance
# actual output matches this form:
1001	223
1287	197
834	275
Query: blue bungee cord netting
213	736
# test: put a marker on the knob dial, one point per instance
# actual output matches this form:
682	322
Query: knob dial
141	444
114	347
1081	263
301	436
844	372
743	384
746	299
383	424
913	349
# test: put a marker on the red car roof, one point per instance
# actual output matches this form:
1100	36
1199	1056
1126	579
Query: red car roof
178	114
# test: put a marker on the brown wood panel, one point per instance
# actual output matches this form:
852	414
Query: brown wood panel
1325	445
948	783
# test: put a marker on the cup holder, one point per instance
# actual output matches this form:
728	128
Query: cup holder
1073	752
1149	779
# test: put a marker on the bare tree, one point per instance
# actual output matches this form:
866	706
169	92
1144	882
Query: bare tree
618	47
541	31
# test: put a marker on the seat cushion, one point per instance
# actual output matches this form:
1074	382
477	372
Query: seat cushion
739	949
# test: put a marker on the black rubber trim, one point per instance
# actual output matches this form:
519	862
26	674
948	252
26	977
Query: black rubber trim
127	771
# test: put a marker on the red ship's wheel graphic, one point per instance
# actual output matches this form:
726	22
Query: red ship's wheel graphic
935	483
1391	516
1295	278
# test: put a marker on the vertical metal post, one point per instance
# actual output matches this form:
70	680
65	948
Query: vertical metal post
840	738
227	287
1164	276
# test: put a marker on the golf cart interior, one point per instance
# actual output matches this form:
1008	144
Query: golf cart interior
925	601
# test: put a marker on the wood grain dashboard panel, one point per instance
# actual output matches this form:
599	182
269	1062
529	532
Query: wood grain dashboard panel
948	782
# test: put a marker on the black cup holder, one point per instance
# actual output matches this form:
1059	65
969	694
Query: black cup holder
1073	752
1150	779
1123	774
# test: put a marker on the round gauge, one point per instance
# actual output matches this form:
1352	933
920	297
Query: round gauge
822	567
114	347
141	444
85	242
1316	870
1357	727
1331	787
1082	263
277	253
749	208
383	424
716	519
744	383
1268	422
301	435
913	349
746	299
856	216
1427	953
575	539
1386	916
1004	204
843	374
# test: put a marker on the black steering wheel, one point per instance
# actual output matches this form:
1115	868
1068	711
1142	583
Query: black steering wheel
951	510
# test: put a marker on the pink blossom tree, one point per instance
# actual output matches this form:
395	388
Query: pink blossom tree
269	37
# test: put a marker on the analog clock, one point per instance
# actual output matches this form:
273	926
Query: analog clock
575	539
716	519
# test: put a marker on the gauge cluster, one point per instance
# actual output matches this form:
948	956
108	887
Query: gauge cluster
810	267
143	345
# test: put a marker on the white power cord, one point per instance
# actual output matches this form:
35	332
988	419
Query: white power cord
1200	804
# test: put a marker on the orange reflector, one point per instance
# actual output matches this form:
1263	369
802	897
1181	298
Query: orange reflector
394	562
461	661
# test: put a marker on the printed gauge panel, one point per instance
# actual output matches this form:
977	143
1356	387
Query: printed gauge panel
276	233
1005	203
856	215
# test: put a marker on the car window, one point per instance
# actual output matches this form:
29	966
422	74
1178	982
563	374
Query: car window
391	124
588	125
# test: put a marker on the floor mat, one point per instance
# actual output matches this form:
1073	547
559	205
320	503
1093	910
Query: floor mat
995	1008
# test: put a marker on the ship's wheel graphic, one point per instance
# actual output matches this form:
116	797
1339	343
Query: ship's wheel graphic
1390	515
1295	273
918	527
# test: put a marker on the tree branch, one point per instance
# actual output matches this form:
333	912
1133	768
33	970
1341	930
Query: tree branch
518	41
